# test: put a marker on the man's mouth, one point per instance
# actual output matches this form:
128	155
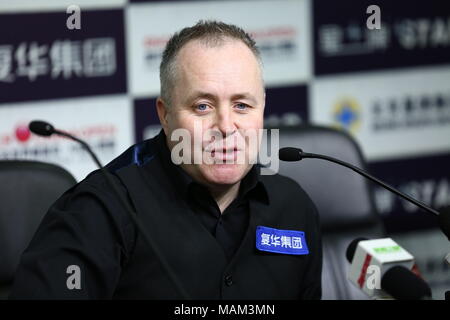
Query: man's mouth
224	154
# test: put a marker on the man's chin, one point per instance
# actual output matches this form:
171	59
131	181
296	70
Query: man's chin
224	174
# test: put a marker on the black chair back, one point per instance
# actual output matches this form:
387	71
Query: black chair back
27	190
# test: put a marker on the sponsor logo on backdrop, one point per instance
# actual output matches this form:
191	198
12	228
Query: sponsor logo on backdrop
278	43
62	59
347	114
354	39
414	111
153	49
391	114
108	136
394	113
275	44
20	143
46	60
408	36
281	33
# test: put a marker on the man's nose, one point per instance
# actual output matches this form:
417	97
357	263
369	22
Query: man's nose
225	122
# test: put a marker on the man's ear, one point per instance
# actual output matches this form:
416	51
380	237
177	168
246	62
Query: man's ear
161	109
264	101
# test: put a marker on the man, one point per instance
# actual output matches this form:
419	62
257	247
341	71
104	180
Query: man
225	230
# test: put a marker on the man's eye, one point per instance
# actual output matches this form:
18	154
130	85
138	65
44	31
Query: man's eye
201	107
241	106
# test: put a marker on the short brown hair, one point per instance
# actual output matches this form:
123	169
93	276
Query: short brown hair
211	33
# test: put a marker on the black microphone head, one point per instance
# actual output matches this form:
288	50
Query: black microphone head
41	128
351	249
402	284
290	154
444	221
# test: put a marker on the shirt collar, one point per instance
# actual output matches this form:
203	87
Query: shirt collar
251	184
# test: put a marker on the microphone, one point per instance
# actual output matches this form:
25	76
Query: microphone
291	154
381	266
296	154
45	129
41	128
403	284
351	249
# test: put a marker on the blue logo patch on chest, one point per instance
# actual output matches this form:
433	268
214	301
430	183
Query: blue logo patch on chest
281	241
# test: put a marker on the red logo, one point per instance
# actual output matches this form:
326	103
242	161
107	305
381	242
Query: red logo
362	276
22	133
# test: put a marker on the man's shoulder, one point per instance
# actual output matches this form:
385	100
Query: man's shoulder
277	180
280	186
290	201
138	154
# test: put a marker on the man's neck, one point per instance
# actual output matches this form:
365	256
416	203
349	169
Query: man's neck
224	195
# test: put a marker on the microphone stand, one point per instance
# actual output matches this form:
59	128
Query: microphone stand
371	178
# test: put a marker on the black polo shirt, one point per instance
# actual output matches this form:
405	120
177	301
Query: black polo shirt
87	229
229	226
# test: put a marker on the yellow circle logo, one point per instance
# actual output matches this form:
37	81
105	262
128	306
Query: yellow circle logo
347	115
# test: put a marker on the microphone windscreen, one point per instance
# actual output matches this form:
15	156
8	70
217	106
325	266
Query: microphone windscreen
444	221
290	154
351	249
402	284
41	128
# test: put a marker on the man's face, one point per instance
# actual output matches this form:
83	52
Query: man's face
218	90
